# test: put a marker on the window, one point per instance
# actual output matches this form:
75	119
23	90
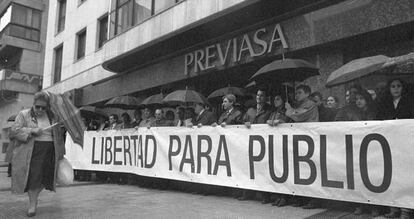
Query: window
102	30
57	70
80	44
160	5
127	13
61	15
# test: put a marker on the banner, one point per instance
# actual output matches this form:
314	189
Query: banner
368	162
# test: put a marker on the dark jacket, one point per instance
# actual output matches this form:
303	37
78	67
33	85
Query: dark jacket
326	114
206	118
404	110
233	118
260	117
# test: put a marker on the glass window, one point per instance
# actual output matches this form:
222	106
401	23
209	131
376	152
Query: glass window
5	18
58	64
61	15
160	5
81	44
124	17
102	31
142	10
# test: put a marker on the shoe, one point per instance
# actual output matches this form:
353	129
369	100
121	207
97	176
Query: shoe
358	211
31	213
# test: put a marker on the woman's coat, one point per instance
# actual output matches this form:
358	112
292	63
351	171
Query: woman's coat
24	123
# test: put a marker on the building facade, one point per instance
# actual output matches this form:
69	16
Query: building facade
141	47
22	50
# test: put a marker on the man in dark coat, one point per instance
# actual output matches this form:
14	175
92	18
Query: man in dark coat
258	115
204	117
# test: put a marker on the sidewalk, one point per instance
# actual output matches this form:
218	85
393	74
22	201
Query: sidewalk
5	182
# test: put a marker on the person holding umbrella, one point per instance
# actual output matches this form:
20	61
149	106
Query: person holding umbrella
306	111
257	115
39	148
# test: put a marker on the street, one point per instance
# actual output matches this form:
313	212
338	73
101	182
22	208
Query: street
92	200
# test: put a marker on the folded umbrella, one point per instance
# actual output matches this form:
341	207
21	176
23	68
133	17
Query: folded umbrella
69	115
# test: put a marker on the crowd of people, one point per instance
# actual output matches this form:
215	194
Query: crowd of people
392	102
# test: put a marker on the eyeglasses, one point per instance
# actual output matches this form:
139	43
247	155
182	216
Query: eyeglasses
40	107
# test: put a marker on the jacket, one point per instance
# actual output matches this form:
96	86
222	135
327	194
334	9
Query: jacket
233	118
21	130
255	117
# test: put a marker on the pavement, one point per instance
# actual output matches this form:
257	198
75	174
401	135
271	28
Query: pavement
92	200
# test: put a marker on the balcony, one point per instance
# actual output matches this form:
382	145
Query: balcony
15	81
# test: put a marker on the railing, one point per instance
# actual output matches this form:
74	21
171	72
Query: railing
21	31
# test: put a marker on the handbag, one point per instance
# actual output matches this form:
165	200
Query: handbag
64	173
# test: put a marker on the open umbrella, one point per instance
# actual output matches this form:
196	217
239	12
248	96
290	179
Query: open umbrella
69	115
227	90
285	70
11	118
356	69
123	102
399	65
251	85
154	100
91	111
184	97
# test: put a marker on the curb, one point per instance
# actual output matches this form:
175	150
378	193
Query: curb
59	186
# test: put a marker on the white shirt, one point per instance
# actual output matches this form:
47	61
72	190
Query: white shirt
396	101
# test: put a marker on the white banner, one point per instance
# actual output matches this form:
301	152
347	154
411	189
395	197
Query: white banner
369	162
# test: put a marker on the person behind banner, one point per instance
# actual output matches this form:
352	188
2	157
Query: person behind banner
170	117
126	121
38	150
204	116
231	115
257	115
137	118
306	110
148	118
160	120
180	111
114	123
396	104
279	114
325	114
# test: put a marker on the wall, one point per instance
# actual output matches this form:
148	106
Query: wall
89	70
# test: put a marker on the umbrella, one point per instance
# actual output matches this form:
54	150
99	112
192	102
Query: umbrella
69	115
153	100
286	70
123	102
251	84
93	111
227	90
399	65
356	69
11	118
184	97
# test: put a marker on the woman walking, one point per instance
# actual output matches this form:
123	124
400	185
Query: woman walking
38	150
